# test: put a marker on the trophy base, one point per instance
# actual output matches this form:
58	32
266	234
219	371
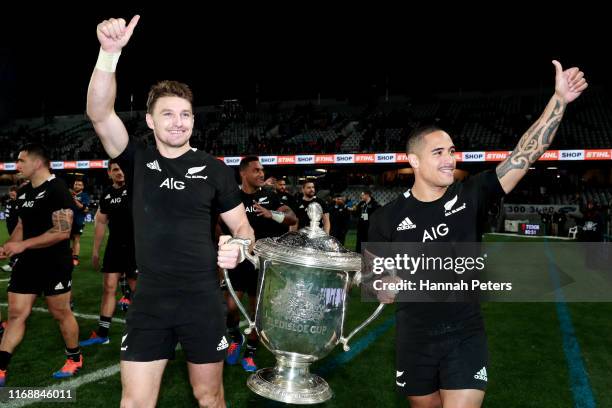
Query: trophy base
304	389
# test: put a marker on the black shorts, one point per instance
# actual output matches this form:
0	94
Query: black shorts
453	361
120	259
244	278
159	319
77	229
49	276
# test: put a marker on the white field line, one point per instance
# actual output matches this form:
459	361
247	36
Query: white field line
79	315
70	384
243	323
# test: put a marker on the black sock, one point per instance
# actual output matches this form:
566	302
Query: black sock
251	348
5	358
234	334
74	354
103	326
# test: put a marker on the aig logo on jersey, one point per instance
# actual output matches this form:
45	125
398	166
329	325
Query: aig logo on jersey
448	207
171	184
436	232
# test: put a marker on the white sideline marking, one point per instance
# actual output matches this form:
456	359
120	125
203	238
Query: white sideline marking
243	323
5	280
81	315
74	384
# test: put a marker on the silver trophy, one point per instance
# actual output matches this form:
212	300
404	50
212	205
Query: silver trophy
304	280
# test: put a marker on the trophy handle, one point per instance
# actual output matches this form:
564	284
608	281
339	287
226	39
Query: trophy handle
345	340
244	254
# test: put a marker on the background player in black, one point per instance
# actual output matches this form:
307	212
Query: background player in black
339	219
269	218
281	189
119	258
364	210
11	217
437	344
175	188
44	267
10	210
81	207
308	197
592	224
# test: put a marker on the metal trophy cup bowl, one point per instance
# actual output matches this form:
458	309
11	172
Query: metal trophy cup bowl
304	282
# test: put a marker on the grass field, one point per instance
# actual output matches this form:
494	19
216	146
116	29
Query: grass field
529	367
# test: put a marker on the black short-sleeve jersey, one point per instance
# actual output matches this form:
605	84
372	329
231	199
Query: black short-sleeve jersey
263	227
172	203
458	216
300	211
36	207
115	203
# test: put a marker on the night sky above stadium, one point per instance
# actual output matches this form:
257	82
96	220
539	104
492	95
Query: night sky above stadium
293	53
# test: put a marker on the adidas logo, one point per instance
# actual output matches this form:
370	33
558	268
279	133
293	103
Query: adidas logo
482	374
21	197
406	225
107	197
59	286
222	344
154	165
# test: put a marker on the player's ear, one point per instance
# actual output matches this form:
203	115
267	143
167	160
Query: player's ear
413	159
150	123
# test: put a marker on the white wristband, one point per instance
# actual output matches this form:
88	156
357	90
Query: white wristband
278	216
107	61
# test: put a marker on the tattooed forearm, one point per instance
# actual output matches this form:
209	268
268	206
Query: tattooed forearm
534	142
62	221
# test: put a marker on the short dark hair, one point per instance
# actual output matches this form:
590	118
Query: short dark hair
244	163
368	192
13	188
416	136
168	88
308	181
37	150
113	161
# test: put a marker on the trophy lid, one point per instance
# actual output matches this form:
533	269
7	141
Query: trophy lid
310	246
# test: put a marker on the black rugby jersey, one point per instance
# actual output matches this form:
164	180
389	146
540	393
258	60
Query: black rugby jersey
36	207
300	211
115	203
263	227
172	203
458	216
